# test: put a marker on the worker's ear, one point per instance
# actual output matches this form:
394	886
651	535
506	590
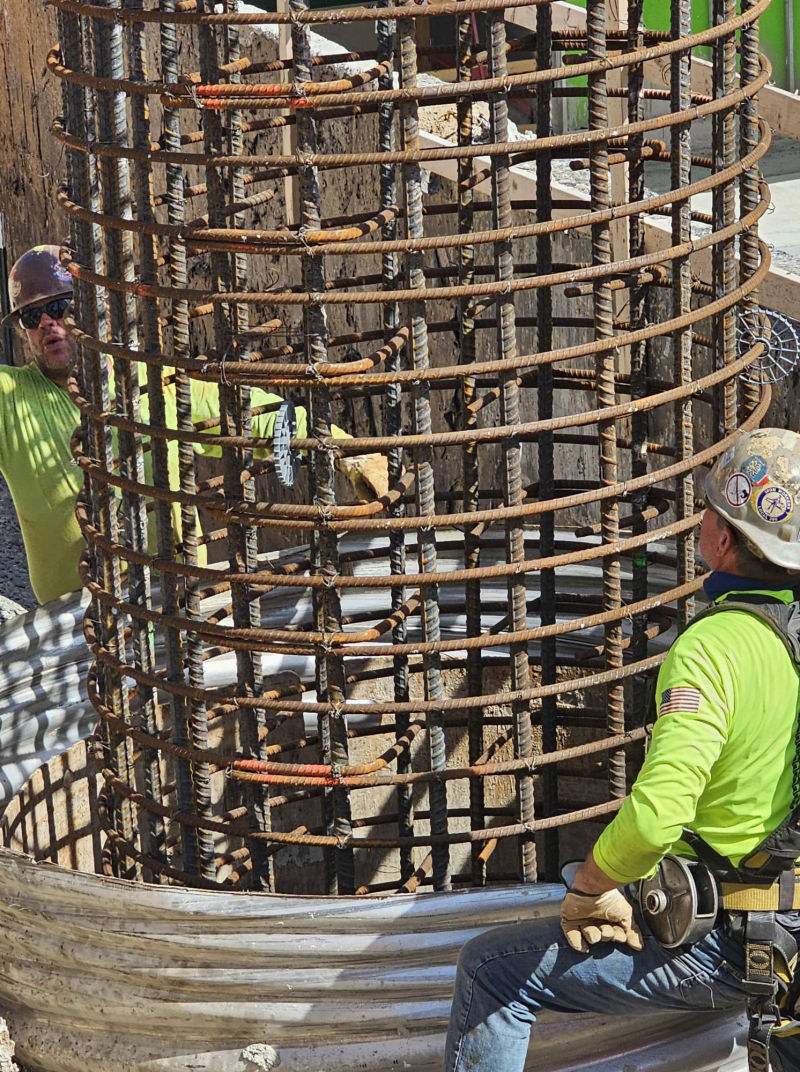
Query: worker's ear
720	535
727	537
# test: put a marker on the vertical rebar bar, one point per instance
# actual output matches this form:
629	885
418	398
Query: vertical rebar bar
315	327
75	40
546	457
150	335
386	30
425	482
749	255
639	354
115	199
680	174
189	717
600	198
464	25
230	321
513	491
724	206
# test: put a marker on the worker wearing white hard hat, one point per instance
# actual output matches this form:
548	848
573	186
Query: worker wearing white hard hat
718	796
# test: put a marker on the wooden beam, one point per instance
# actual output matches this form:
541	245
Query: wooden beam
288	133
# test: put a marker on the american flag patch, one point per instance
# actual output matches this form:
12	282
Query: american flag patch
679	698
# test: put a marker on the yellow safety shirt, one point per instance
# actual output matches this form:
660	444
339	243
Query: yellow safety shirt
720	758
37	420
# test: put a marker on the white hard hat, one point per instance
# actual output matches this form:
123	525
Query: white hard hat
755	487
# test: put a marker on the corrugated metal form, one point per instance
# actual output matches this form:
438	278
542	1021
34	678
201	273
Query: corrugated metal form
100	973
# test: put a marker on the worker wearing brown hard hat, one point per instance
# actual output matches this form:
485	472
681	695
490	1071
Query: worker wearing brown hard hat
40	292
38	419
711	830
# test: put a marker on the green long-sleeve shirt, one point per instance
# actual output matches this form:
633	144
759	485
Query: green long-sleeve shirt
720	759
37	420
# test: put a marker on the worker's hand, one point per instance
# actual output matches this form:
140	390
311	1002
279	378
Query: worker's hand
587	918
367	473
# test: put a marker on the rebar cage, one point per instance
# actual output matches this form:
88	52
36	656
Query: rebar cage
469	233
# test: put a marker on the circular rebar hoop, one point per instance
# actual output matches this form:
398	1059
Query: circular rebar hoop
468	252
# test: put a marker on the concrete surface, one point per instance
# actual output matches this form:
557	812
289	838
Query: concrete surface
780	227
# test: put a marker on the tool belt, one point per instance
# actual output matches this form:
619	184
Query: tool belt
684	900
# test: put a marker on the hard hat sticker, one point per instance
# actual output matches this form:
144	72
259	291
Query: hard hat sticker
737	489
755	469
726	458
774	503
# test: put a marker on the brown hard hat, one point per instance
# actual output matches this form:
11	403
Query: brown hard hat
37	275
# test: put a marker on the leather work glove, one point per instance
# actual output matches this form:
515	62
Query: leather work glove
367	473
587	918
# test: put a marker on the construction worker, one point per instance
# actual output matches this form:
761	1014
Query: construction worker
38	419
721	781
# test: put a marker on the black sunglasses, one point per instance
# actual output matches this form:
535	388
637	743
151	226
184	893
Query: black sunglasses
55	309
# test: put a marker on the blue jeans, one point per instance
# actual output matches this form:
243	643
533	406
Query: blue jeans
506	975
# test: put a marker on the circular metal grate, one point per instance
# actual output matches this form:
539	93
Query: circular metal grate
779	337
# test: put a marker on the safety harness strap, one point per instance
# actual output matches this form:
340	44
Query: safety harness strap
782	895
761	986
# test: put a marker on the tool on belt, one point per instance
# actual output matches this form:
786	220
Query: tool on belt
682	901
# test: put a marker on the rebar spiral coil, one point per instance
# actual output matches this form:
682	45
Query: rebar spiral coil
543	377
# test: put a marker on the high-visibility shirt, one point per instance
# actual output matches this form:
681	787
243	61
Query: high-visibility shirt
720	758
37	420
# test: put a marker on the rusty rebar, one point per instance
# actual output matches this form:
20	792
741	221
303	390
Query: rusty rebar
680	176
400	702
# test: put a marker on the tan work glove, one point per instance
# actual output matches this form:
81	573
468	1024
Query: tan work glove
587	918
367	473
